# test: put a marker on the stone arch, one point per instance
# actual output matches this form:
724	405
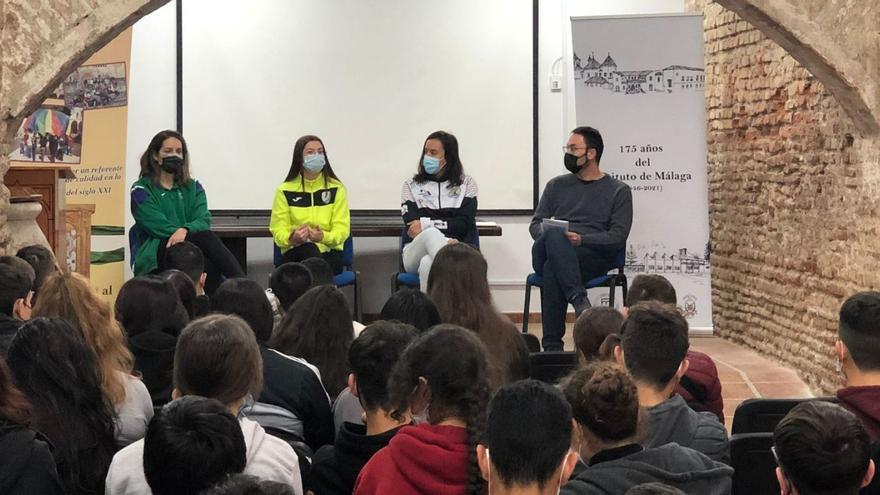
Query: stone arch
836	40
37	56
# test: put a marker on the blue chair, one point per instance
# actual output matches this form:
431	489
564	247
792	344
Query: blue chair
612	280
135	239
348	276
411	280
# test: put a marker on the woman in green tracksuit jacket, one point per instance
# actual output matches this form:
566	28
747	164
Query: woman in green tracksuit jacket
310	216
170	207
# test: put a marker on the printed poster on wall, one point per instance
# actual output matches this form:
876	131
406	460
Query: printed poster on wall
83	123
639	81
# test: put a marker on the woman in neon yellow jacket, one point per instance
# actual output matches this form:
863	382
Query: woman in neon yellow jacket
310	216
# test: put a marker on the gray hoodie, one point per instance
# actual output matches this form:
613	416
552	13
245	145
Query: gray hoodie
672	464
673	421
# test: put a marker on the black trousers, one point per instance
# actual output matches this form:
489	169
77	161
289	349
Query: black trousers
219	262
309	250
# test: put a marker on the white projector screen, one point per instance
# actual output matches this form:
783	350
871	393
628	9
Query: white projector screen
372	79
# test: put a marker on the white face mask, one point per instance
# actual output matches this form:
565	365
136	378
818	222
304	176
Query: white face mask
561	470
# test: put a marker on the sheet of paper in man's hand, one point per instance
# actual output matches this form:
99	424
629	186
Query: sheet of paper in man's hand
552	223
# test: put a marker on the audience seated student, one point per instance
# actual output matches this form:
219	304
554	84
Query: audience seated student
372	356
821	447
459	286
654	489
653	348
318	226
527	441
286	284
58	373
186	292
321	271
442	379
26	463
70	296
169	206
858	355
41	260
242	484
605	405
16	281
439	201
318	329
413	307
217	357
292	404
188	258
151	317
591	329
700	386
192	444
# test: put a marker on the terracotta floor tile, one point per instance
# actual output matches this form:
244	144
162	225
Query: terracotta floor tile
783	390
735	391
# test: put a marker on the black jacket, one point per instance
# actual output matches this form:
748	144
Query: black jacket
293	386
26	464
335	468
615	471
8	328
154	360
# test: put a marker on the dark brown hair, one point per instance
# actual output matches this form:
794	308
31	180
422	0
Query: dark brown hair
459	287
454	170
453	362
318	328
592	327
217	357
152	168
654	339
604	400
14	406
296	163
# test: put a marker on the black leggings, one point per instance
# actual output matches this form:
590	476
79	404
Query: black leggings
219	262
309	250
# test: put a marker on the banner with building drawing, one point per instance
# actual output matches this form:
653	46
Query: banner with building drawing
640	80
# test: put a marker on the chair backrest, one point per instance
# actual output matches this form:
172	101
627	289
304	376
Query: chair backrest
134	242
753	464
348	254
620	259
532	342
549	367
762	415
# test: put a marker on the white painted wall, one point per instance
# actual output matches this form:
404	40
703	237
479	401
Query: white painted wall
152	108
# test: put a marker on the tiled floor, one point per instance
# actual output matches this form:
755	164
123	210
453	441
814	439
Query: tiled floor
744	374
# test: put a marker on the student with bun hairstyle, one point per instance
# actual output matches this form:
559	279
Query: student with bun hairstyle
609	426
441	379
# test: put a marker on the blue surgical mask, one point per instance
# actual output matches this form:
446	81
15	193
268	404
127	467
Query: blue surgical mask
314	163
431	164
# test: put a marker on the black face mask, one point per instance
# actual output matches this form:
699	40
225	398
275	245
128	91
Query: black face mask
571	163
172	164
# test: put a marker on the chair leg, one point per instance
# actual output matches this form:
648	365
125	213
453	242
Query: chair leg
623	286
526	308
394	286
359	311
612	289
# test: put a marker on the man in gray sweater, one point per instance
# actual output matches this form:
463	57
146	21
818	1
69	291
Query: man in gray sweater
599	212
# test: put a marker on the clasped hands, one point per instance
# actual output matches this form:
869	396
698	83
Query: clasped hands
305	233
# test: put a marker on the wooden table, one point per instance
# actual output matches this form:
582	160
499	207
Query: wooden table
235	235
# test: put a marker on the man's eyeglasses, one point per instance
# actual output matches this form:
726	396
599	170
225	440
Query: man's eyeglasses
570	148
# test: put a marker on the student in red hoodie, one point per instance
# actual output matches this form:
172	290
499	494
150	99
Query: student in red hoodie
442	378
858	357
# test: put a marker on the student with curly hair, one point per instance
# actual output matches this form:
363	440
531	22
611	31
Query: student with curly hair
609	424
442	378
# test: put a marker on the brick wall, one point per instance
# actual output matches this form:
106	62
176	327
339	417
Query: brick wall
795	223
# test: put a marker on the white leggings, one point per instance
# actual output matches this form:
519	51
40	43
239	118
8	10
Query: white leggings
419	254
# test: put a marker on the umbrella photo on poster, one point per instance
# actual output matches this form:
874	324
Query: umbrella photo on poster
49	135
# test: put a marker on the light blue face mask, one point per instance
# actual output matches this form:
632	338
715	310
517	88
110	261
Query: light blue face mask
431	164
314	163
